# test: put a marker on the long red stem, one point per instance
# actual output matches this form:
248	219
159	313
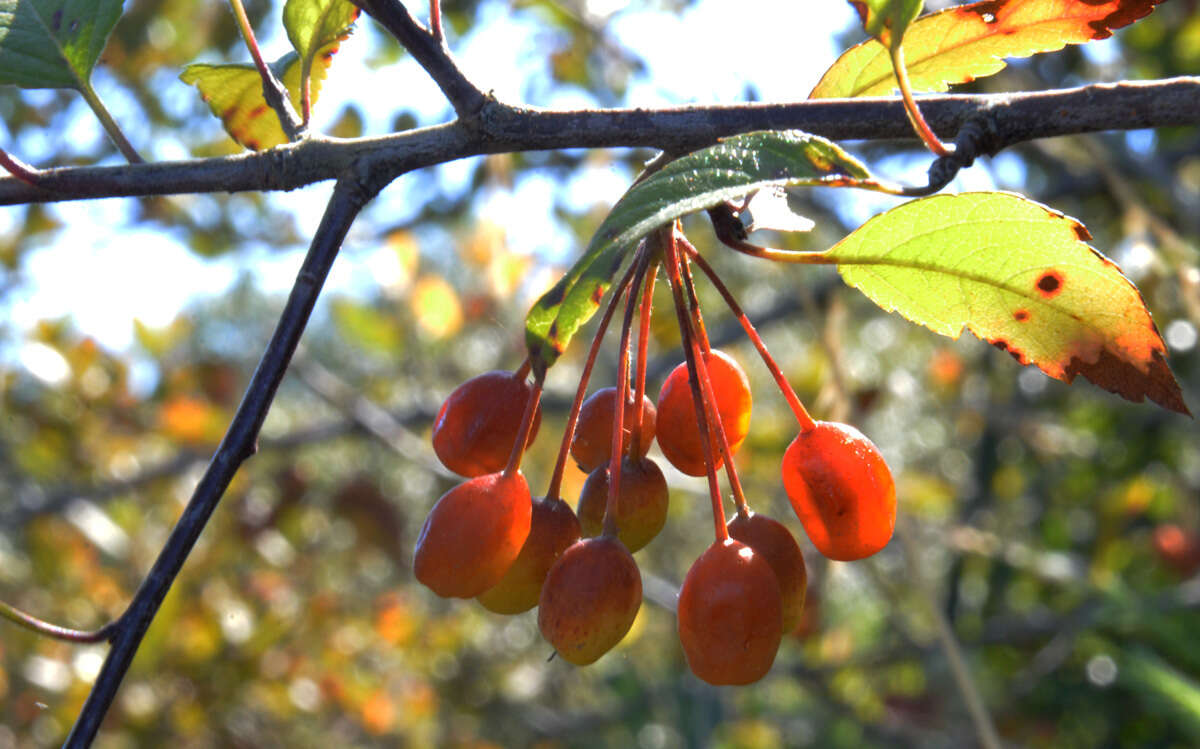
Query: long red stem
693	302
564	450
518	451
667	236
618	433
802	416
714	416
639	380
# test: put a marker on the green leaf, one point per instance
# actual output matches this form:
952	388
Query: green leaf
1018	275
316	27
53	43
965	42
886	20
734	167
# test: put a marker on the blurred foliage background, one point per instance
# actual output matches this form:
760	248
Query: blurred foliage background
1057	528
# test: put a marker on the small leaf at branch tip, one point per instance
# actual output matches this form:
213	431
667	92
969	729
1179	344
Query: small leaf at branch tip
1029	284
966	42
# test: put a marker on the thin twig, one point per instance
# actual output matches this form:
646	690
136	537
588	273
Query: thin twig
42	627
19	169
1010	119
428	47
274	91
984	728
373	418
237	446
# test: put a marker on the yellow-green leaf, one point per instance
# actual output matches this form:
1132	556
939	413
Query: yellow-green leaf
1018	275
316	27
234	94
965	42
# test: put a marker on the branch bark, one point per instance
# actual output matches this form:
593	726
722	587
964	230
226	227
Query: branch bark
349	196
428	47
1008	119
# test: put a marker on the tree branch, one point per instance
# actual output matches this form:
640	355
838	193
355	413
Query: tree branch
430	50
238	445
1003	119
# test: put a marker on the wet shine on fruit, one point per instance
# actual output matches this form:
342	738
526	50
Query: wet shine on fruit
476	427
590	599
552	530
473	534
775	543
642	496
592	444
678	431
841	489
730	615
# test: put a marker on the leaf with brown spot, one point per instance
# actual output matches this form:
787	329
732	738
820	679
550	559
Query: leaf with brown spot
965	42
1014	273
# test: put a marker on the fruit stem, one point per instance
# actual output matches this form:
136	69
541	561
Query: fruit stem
573	417
714	416
668	237
523	370
694	303
518	451
618	433
802	416
639	391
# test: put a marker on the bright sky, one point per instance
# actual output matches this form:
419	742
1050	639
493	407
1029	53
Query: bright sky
105	272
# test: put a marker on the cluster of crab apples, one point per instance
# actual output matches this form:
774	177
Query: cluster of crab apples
490	539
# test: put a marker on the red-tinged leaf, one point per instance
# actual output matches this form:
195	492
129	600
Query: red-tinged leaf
234	93
965	42
1018	275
